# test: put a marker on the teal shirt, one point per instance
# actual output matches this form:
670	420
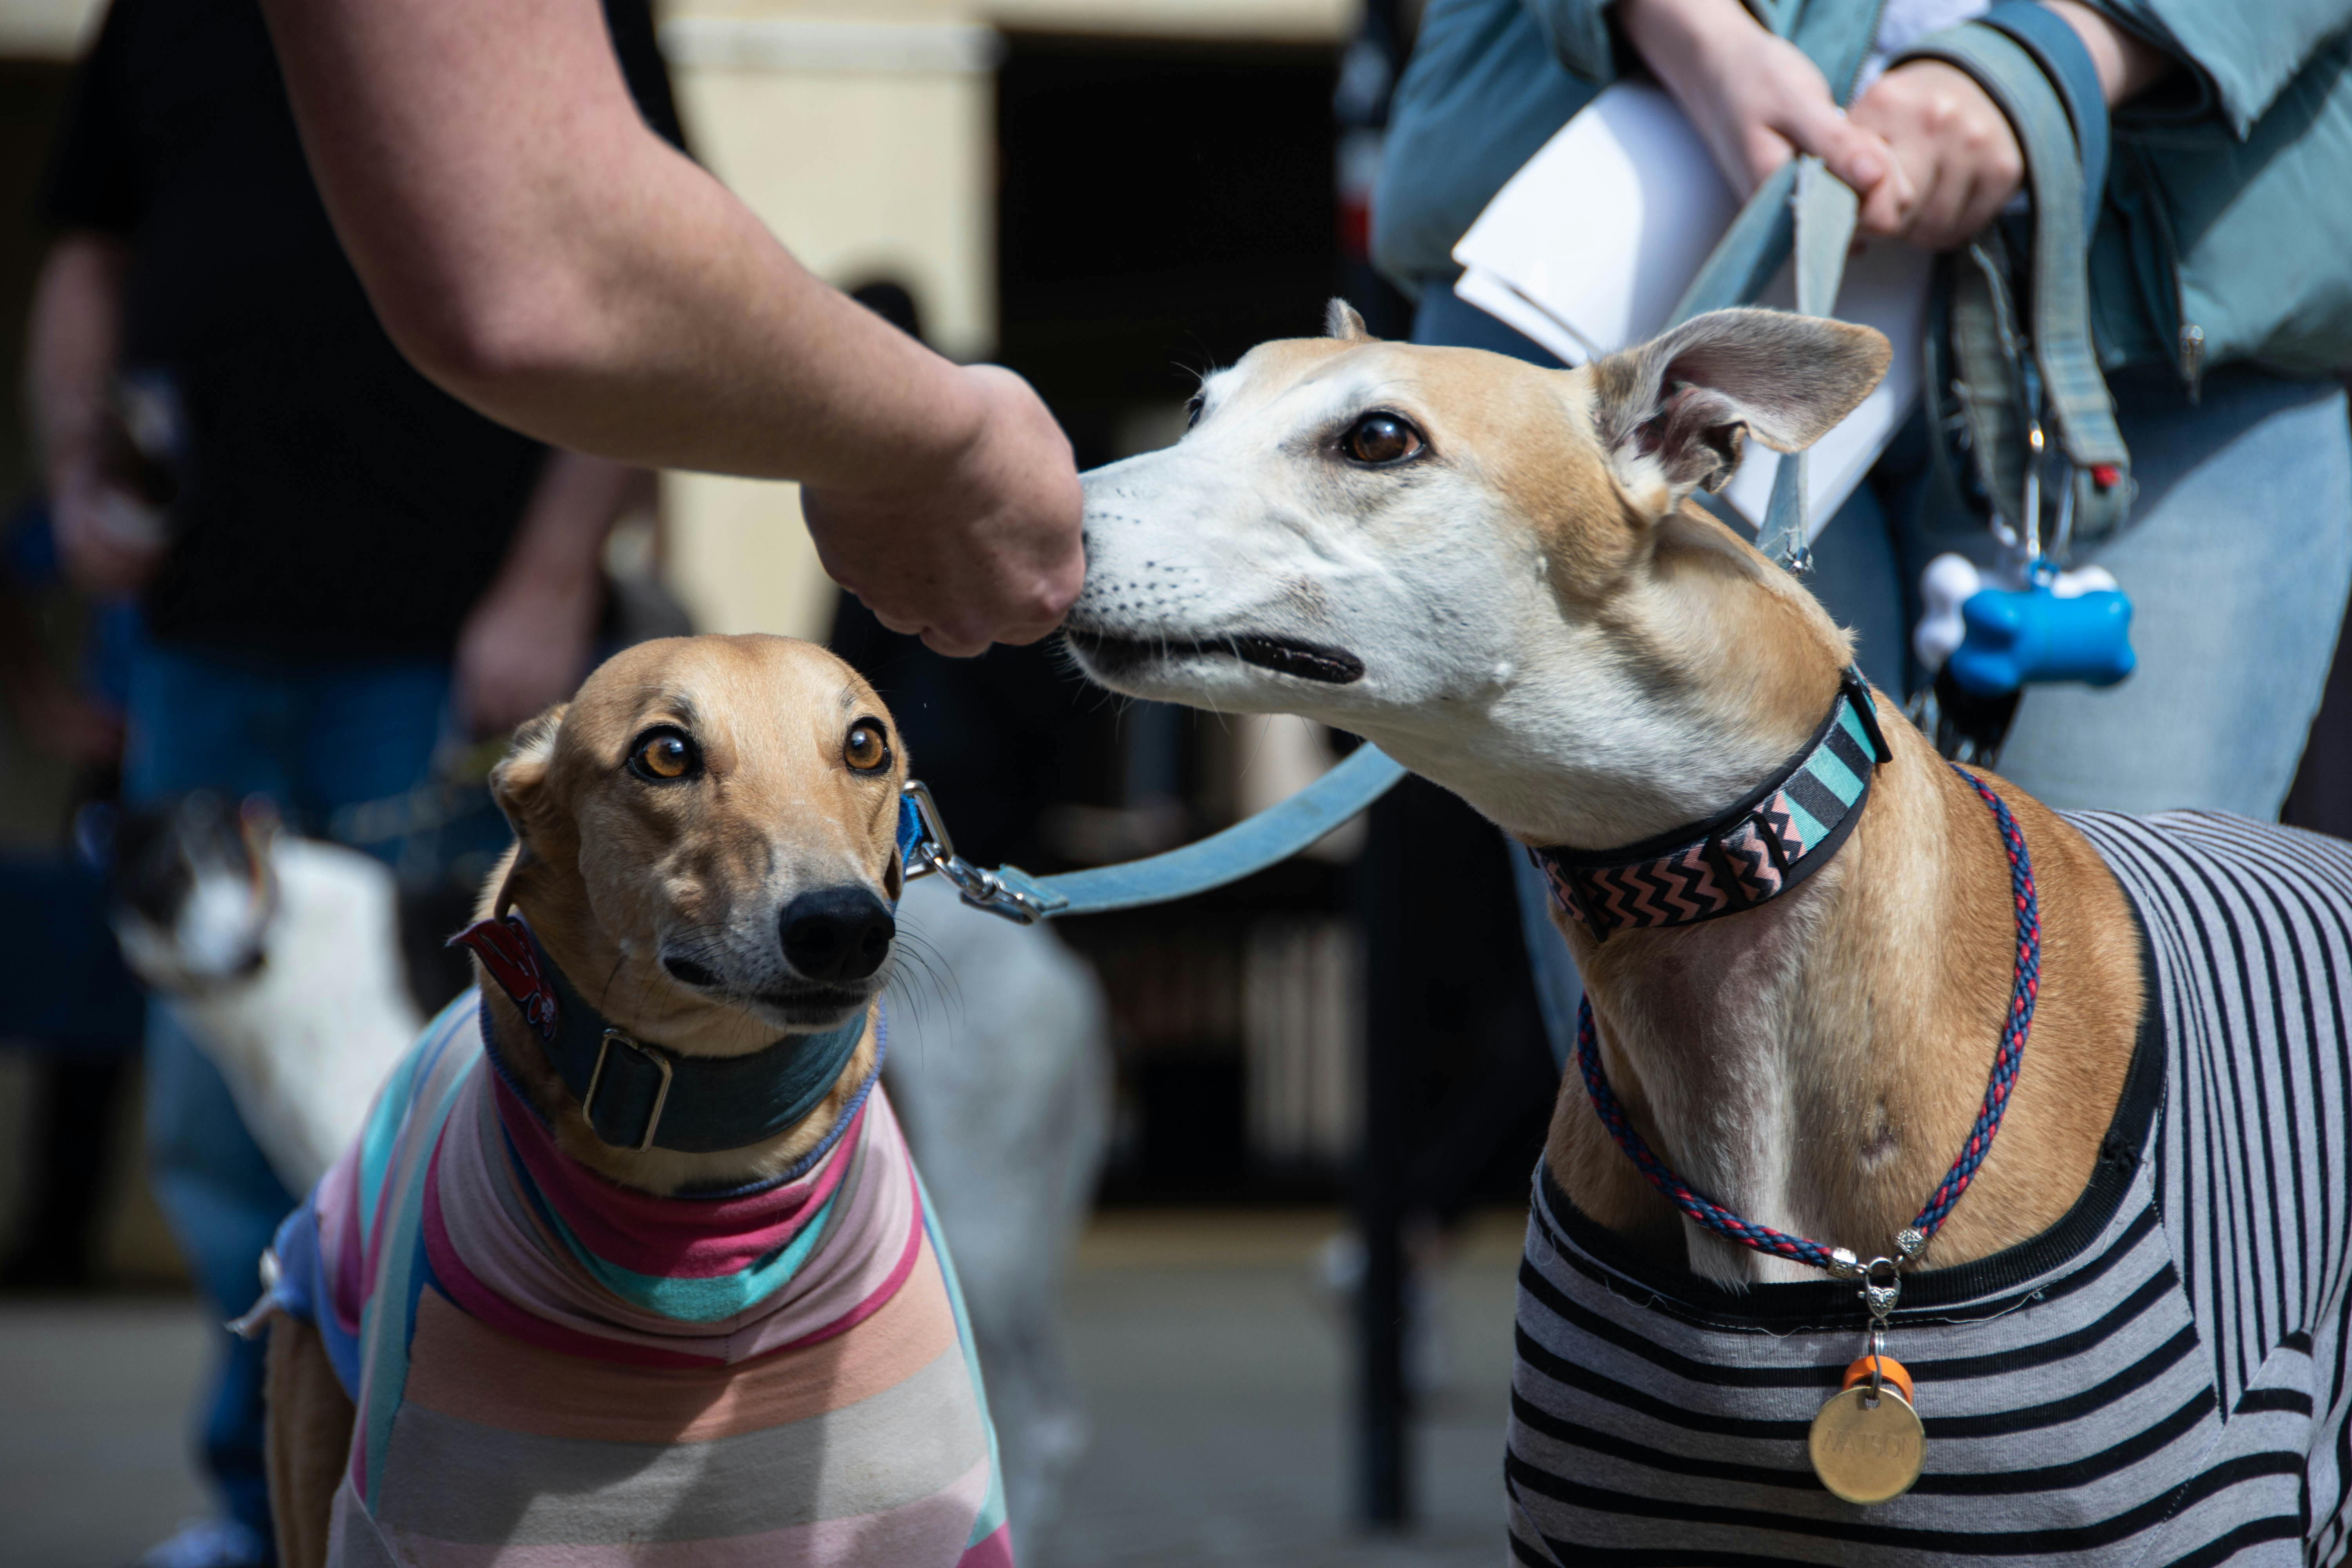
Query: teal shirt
2229	200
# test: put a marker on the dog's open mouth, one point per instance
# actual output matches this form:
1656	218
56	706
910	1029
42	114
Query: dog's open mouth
1284	656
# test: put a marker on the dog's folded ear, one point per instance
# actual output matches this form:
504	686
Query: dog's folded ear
517	781
1342	321
1673	411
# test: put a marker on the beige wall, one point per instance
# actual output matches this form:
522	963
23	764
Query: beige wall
44	29
863	135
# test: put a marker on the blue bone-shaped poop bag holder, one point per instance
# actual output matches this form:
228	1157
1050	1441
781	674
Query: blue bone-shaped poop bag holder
2020	635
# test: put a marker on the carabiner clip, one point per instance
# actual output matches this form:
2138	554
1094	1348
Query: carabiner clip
934	851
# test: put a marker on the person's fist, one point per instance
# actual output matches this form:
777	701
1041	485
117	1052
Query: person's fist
1960	158
982	547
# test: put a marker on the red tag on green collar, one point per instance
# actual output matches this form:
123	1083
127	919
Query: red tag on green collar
511	957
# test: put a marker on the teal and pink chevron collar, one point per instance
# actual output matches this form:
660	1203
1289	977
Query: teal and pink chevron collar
1779	836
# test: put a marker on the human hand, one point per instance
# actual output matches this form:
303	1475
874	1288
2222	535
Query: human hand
1958	156
109	541
525	645
1957	151
982	547
1756	101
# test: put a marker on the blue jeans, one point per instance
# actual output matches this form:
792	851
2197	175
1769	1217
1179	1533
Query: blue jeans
2237	559
312	737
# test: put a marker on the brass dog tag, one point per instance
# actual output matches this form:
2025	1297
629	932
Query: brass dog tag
1868	1449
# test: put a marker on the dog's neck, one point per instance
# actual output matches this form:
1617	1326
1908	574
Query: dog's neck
1813	1063
563	922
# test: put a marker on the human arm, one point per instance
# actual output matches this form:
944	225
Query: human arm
533	248
73	341
2244	51
526	642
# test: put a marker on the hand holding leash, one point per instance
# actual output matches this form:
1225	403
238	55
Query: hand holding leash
1757	100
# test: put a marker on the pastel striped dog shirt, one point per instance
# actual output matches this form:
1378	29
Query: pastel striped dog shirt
552	1369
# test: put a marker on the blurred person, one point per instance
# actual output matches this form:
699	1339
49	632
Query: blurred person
535	249
73	1003
2238	554
338	566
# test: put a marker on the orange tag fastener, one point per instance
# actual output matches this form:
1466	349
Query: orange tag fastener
1891	1373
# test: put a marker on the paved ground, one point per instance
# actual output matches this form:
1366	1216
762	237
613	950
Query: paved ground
94	1401
1218	1381
1213	1366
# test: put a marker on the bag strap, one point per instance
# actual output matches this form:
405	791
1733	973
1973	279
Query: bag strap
1800	208
2006	377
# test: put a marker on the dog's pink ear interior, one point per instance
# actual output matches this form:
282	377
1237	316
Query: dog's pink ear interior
516	782
1679	405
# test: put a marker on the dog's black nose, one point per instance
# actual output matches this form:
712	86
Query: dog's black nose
837	934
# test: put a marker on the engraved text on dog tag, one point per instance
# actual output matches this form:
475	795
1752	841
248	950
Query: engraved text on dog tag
1868	1449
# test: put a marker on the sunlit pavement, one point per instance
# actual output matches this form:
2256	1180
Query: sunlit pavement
1218	1378
1213	1364
96	1396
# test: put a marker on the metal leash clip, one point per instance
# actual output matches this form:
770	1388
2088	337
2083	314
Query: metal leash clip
934	851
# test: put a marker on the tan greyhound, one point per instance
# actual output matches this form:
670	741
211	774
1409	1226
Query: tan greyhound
630	1263
1492	571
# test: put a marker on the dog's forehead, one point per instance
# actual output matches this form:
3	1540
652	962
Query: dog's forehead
720	685
1307	379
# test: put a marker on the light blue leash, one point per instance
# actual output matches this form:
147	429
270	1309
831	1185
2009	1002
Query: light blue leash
1275	834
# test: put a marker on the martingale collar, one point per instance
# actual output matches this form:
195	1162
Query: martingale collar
1780	833
638	1095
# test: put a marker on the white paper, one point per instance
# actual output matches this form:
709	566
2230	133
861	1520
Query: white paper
1601	231
1593	242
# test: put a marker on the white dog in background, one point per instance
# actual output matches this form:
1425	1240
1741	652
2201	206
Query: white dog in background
282	956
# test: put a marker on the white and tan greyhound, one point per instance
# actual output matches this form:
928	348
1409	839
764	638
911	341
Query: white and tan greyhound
2111	1315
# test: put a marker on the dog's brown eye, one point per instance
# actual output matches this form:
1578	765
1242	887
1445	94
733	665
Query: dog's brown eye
664	755
866	749
1381	438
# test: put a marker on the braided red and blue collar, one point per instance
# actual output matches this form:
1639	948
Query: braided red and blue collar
1782	833
2025	985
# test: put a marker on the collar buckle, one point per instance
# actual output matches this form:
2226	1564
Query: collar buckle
637	1057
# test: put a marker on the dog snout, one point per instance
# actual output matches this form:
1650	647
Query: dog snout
837	934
